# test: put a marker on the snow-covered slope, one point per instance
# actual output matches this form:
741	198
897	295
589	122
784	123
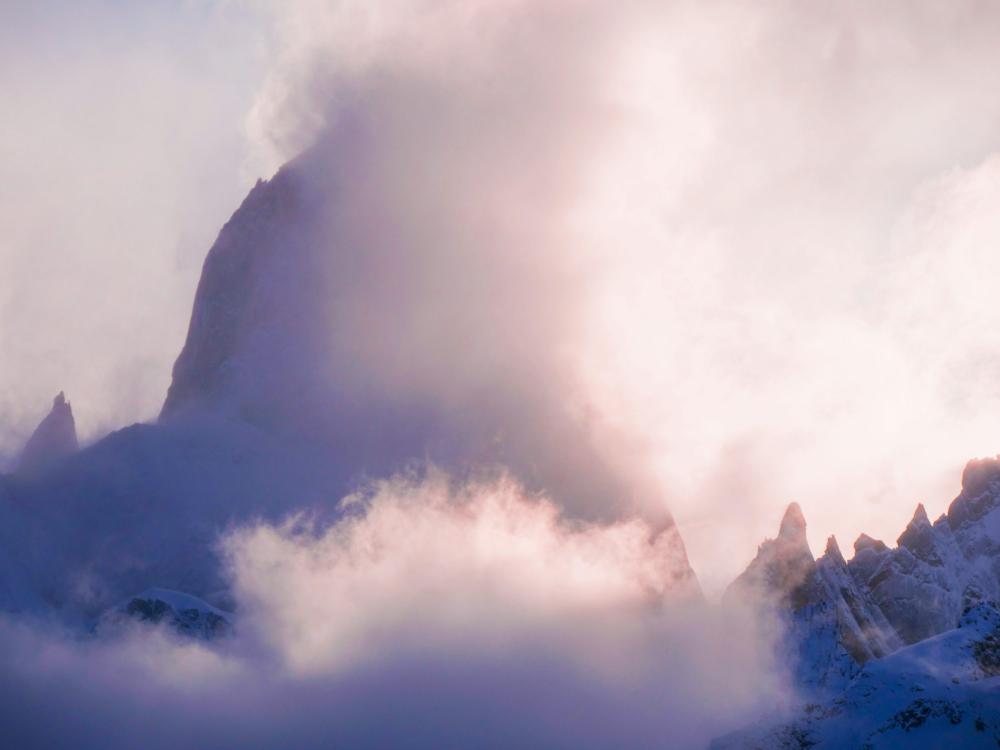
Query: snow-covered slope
943	692
831	625
924	584
847	622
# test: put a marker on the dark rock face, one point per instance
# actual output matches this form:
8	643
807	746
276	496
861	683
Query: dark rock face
254	293
303	326
54	438
783	566
278	405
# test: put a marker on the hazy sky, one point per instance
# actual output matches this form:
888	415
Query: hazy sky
787	213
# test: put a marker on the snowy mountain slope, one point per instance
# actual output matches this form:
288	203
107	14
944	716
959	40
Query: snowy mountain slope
924	584
839	615
865	631
832	627
941	693
846	623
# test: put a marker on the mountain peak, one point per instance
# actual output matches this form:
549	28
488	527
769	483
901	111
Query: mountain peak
54	437
978	474
864	542
782	565
793	524
918	537
920	518
833	550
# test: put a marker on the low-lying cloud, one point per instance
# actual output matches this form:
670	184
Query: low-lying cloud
435	615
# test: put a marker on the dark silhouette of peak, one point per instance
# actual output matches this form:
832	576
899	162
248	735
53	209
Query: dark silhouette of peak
54	437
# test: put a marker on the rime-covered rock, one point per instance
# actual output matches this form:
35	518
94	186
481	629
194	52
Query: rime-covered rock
832	626
182	613
924	584
782	567
864	630
847	623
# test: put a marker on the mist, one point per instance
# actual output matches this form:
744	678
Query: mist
122	152
433	615
758	229
759	236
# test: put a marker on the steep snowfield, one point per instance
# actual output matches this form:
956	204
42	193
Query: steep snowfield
941	693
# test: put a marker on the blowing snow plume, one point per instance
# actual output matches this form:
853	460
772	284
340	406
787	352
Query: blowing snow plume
412	285
727	224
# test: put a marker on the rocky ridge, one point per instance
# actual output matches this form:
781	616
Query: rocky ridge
898	646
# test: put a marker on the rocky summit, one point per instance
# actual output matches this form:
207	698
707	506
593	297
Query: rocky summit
897	647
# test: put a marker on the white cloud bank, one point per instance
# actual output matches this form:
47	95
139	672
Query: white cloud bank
432	616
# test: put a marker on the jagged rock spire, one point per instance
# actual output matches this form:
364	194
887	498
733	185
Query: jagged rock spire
919	534
833	625
833	551
793	524
782	565
54	437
